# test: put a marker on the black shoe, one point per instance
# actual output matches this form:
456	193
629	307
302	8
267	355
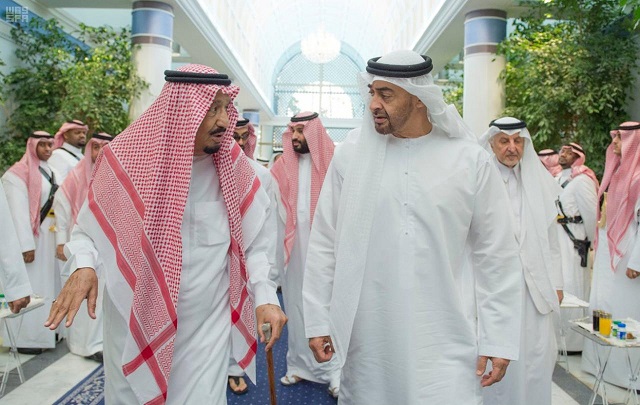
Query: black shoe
29	350
97	356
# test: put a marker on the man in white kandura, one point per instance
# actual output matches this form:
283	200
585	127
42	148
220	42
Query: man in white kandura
299	173
14	280
68	144
403	197
244	135
84	337
30	185
175	220
532	195
616	268
577	207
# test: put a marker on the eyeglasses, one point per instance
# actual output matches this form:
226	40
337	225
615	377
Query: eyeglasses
244	137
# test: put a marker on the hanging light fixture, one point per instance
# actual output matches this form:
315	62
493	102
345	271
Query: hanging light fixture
320	46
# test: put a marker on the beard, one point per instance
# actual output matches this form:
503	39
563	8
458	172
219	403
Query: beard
210	150
302	148
393	123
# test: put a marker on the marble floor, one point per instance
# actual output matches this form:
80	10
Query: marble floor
51	374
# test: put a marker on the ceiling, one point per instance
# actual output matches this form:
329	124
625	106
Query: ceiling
251	39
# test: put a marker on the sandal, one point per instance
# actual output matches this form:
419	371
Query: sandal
236	381
290	380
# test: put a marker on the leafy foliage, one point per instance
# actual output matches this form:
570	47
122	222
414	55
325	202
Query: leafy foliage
453	93
633	7
90	77
570	65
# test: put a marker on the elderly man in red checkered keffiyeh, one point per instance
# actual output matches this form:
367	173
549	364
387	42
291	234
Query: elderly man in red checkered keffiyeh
174	221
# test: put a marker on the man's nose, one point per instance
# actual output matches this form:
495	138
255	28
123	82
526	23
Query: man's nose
223	119
374	104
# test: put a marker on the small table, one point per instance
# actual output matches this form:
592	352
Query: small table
585	328
569	301
5	313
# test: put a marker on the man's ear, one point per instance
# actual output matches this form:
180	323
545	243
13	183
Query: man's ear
418	103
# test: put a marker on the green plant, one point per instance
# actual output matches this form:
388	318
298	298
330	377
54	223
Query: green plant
633	8
90	77
570	66
10	152
453	93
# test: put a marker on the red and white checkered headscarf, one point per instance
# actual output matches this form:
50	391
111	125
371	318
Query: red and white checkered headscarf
252	140
67	126
621	181
76	185
578	167
285	171
549	159
146	171
27	169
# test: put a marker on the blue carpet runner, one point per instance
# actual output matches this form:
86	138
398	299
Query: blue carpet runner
90	390
87	392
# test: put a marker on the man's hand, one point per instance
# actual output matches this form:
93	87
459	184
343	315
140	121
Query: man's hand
60	253
560	296
631	273
322	348
499	369
29	256
82	284
274	315
16	305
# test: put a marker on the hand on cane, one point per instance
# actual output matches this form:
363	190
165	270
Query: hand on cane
272	314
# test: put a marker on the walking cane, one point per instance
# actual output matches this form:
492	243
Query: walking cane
266	329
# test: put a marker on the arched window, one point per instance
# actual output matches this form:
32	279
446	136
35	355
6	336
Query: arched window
330	89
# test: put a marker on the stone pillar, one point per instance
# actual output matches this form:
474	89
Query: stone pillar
484	96
151	35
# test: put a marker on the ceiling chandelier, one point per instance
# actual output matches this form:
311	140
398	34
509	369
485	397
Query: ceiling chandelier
320	47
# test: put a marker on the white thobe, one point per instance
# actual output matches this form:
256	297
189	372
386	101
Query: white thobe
412	341
62	161
270	227
528	380
563	177
41	271
13	274
300	360
85	336
617	294
579	198
202	342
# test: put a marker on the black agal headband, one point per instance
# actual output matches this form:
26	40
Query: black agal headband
193	77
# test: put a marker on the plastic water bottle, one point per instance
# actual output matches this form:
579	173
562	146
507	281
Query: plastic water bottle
622	331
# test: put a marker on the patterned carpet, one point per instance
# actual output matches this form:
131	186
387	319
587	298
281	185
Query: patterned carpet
87	392
90	390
